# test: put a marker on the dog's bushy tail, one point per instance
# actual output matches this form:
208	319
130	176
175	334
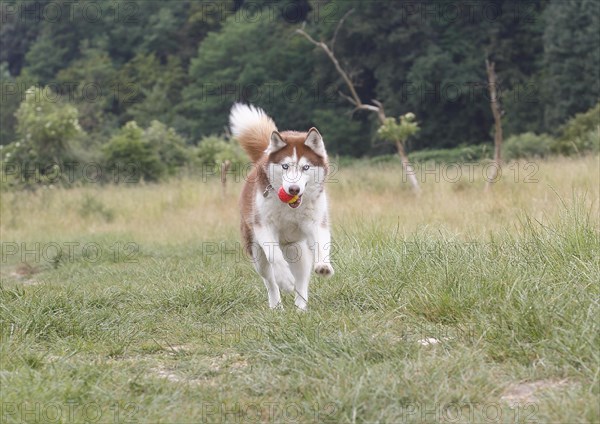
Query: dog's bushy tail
253	128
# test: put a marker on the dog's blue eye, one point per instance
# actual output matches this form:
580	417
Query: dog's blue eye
306	167
285	166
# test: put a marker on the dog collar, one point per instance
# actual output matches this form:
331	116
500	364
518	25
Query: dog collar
267	190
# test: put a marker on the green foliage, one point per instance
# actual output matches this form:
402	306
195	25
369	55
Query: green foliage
45	129
46	57
341	131
233	65
571	59
527	145
580	134
215	150
134	154
45	125
393	131
131	157
150	89
184	63
9	105
460	154
171	147
92	207
89	83
581	124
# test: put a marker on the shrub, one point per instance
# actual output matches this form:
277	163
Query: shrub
580	134
527	145
169	145
215	150
130	157
457	154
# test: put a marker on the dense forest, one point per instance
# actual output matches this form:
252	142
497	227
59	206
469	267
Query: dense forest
176	67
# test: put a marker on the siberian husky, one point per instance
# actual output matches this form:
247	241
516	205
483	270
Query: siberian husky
286	241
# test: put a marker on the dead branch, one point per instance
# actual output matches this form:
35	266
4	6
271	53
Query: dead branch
323	46
354	99
337	28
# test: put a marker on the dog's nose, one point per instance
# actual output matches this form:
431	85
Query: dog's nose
294	189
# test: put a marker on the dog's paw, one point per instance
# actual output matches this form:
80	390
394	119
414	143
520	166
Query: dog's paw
277	307
302	308
324	270
284	278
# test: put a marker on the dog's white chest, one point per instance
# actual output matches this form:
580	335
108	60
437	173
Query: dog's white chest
290	225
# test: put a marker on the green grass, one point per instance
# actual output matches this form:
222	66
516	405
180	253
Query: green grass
507	284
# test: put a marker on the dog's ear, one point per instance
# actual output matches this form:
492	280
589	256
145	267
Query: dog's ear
315	142
276	142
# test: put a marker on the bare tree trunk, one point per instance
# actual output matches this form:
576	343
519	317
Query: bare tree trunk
495	106
408	168
376	107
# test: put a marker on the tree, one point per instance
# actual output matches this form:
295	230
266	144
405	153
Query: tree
571	59
89	84
158	89
45	126
233	65
45	129
389	129
496	111
398	133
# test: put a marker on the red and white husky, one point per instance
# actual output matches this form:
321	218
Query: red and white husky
286	241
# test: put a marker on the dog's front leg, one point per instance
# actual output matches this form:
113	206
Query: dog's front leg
320	242
281	274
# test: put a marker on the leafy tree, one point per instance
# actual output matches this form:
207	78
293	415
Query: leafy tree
89	83
45	130
232	66
161	35
156	94
392	130
571	59
10	103
16	35
45	126
340	132
46	57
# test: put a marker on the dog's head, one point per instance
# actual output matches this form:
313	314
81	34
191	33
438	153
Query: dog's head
298	162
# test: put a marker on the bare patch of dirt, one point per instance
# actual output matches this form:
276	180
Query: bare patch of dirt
232	361
528	392
168	374
24	274
179	349
228	362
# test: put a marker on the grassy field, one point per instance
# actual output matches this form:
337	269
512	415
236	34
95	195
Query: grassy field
134	304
